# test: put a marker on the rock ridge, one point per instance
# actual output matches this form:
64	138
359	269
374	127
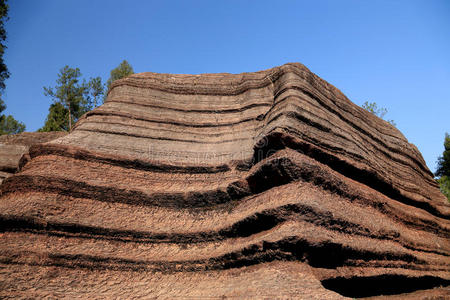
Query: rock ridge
225	185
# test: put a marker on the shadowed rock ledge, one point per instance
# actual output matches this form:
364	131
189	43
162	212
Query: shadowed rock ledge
252	185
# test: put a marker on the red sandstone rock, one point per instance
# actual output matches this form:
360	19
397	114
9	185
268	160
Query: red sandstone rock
255	185
13	147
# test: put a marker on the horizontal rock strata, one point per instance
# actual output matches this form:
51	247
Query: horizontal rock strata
13	147
255	185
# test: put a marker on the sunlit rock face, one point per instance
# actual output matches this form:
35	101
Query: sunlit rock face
254	185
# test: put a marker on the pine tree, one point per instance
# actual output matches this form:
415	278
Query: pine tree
56	119
444	160
8	125
379	112
443	170
70	94
4	73
122	71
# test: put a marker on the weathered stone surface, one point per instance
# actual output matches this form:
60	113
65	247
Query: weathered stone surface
266	184
13	147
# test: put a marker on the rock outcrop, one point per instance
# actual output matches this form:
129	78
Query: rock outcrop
266	184
13	147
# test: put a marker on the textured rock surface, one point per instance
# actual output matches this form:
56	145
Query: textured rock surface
13	147
251	185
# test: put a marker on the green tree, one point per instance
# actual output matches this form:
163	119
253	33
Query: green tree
70	94
122	71
443	170
71	99
4	73
377	111
444	160
9	125
56	119
95	90
444	184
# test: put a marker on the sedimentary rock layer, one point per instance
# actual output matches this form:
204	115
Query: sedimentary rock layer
13	147
251	185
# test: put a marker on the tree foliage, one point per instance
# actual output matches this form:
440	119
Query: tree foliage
378	111
56	119
9	125
443	169
122	71
444	160
4	73
95	91
71	99
68	92
444	184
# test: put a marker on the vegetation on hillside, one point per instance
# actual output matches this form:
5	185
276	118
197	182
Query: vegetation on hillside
9	125
71	99
123	70
378	111
443	170
72	96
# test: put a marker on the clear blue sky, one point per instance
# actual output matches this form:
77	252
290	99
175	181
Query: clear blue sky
395	53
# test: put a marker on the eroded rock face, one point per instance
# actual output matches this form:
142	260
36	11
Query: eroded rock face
251	185
13	147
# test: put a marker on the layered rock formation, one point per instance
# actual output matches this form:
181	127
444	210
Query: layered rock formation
13	147
266	184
